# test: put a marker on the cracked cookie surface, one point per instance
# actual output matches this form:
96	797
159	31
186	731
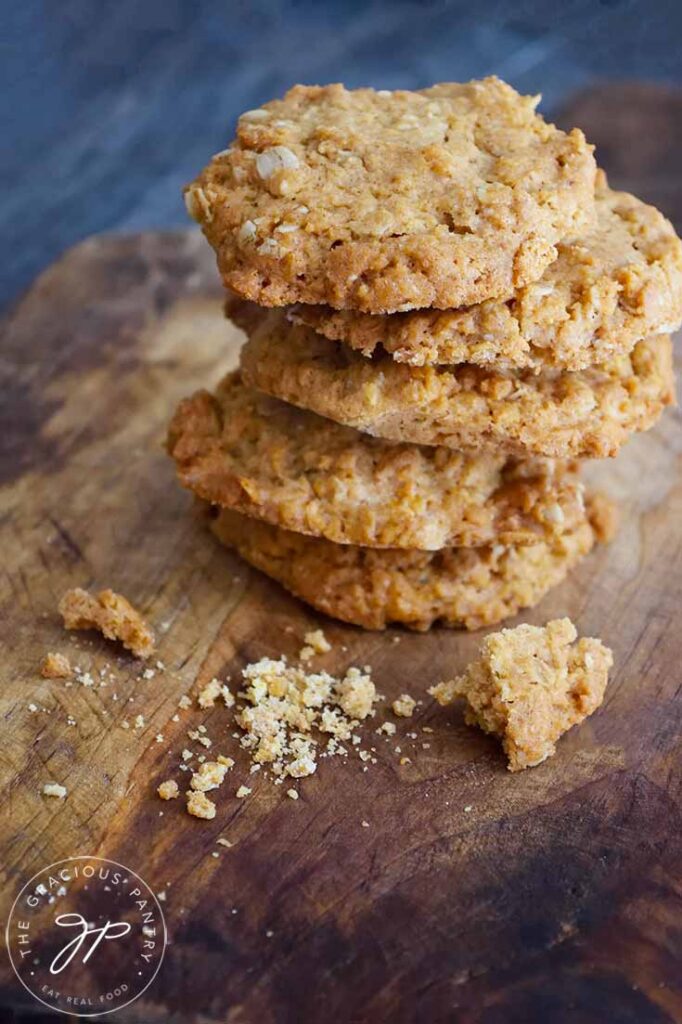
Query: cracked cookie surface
620	282
383	202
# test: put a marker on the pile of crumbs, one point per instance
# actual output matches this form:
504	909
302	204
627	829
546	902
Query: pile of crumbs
290	718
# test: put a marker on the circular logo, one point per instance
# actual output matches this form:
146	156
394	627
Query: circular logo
86	936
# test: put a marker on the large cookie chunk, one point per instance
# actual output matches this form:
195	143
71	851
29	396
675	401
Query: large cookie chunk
530	685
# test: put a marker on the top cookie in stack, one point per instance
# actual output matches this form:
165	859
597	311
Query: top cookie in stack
388	201
460	283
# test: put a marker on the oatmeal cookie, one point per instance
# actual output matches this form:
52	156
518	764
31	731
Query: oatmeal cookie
244	450
530	685
469	587
586	413
620	282
383	201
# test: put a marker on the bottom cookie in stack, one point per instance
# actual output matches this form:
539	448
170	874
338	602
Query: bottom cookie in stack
377	587
373	532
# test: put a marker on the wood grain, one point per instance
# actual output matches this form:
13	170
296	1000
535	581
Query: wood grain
555	897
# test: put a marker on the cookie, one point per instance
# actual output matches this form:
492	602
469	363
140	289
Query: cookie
585	413
384	202
529	686
469	587
243	450
620	282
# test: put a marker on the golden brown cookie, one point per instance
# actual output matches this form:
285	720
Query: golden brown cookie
470	587
246	451
586	413
620	282
383	201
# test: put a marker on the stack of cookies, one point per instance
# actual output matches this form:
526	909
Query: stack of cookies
446	309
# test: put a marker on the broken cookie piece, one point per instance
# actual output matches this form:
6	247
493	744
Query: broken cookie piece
355	694
404	705
55	789
168	790
529	686
210	775
315	643
55	666
199	805
111	614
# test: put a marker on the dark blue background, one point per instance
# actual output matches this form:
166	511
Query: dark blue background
109	106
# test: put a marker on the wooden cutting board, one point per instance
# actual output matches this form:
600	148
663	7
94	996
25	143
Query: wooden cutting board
473	895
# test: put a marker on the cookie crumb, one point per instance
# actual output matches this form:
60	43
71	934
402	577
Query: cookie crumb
301	767
199	805
210	693
404	706
356	694
209	775
529	686
112	615
224	842
168	790
55	666
292	794
55	789
315	643
242	792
